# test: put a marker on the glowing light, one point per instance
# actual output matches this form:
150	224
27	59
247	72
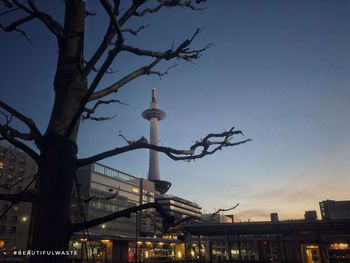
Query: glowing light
311	246
105	241
76	244
83	239
103	226
179	254
24	219
234	252
339	246
135	190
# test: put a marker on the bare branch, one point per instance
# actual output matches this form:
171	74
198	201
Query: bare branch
55	27
88	13
134	31
110	33
14	26
92	110
167	226
223	210
170	3
123	213
8	137
8	3
109	9
9	11
8	186
7	209
32	12
109	71
95	198
161	74
34	131
99	118
181	52
116	86
186	155
17	201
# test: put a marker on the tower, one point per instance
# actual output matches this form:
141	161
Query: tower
154	115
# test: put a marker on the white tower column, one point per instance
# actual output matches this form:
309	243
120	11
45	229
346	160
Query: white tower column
153	171
154	115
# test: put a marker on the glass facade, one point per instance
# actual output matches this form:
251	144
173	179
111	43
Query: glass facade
102	169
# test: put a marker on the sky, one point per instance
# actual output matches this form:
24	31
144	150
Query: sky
278	71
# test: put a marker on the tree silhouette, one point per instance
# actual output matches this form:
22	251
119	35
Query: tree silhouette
78	93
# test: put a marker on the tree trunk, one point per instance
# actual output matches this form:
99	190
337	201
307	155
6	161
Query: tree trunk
51	220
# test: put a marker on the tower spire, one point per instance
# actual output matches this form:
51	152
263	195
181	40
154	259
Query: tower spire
154	98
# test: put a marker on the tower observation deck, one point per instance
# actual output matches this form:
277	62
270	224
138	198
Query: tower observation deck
154	115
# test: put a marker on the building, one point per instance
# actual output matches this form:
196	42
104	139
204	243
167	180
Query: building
109	190
104	190
17	172
310	215
178	207
331	210
217	218
274	217
278	241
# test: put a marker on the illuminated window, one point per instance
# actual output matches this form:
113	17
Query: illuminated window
337	246
1	165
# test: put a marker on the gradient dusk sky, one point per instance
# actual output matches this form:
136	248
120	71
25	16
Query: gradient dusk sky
279	71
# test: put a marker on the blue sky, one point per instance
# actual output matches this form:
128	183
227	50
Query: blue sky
279	71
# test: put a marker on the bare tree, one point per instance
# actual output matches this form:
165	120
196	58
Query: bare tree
56	148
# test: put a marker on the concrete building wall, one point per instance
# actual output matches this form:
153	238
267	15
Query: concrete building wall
16	172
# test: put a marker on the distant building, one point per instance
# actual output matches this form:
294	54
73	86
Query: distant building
292	241
310	215
331	210
179	207
17	171
217	218
274	217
